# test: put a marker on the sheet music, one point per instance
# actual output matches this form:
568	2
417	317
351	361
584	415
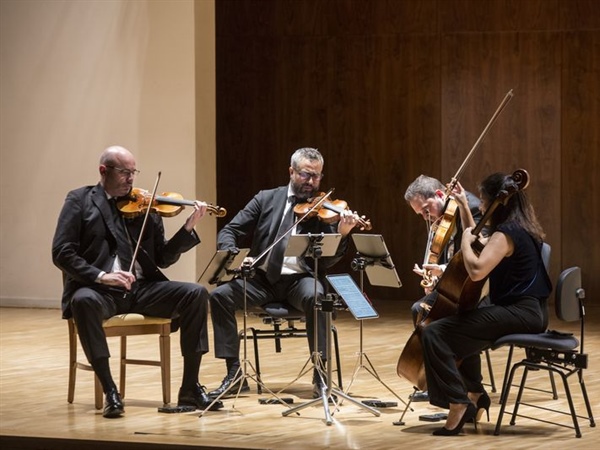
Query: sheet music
356	301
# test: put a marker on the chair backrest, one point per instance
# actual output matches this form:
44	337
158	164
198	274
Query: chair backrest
569	295
545	253
546	250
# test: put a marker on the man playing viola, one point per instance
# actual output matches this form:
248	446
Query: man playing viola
426	197
277	279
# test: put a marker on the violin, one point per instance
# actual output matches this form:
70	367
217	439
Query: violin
444	227
456	291
169	204
327	211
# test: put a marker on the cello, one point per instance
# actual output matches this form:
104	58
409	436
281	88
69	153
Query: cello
456	292
443	229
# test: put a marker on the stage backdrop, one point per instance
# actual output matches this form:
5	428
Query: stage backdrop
388	90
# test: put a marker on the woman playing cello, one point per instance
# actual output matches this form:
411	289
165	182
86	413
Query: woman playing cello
519	284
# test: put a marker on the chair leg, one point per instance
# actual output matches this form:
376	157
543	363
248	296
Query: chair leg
256	360
506	372
276	329
97	393
123	366
490	371
586	398
72	361
165	363
508	378
571	406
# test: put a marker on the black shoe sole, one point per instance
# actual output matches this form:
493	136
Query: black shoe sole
113	414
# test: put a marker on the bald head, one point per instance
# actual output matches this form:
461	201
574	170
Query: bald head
117	170
113	154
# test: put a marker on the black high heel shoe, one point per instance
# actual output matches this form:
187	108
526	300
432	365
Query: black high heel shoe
469	414
483	404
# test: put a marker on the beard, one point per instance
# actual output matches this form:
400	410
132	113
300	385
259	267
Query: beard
304	191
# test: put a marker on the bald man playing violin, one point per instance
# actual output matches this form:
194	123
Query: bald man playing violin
93	246
289	280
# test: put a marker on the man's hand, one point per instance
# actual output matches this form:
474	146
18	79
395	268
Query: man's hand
348	221
119	279
197	214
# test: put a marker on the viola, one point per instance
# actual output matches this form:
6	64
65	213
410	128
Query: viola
444	227
456	292
169	204
327	211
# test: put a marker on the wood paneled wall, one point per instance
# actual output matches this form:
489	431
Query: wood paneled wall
388	90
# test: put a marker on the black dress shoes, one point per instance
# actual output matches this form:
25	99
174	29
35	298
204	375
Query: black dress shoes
197	397
113	406
232	389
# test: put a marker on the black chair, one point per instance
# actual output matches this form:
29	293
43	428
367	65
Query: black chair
277	315
555	352
502	342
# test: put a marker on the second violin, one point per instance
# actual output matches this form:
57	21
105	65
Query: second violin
327	211
169	204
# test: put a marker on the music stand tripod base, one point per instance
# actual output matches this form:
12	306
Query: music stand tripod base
246	271
327	393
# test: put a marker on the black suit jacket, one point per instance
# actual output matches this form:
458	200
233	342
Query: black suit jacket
85	242
261	218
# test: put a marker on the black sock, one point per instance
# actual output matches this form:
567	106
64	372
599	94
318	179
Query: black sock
233	364
102	370
191	368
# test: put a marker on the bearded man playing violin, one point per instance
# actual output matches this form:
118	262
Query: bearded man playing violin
286	280
93	247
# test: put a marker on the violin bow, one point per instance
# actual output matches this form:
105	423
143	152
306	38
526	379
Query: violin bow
452	184
139	240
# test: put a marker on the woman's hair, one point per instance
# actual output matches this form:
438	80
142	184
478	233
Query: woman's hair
517	208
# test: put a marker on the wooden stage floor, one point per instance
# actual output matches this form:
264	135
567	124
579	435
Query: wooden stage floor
34	413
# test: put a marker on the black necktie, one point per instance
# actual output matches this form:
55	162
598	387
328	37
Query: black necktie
277	253
123	244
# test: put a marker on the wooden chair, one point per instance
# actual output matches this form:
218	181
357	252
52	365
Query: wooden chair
124	325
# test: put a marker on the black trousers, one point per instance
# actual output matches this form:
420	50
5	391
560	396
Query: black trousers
462	337
186	302
296	290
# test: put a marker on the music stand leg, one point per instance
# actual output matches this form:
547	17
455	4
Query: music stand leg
362	356
242	372
327	392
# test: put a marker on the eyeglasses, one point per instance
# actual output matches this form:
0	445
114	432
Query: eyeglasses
305	176
125	172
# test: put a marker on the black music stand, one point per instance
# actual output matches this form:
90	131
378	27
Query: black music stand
219	268
219	271
373	258
317	246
